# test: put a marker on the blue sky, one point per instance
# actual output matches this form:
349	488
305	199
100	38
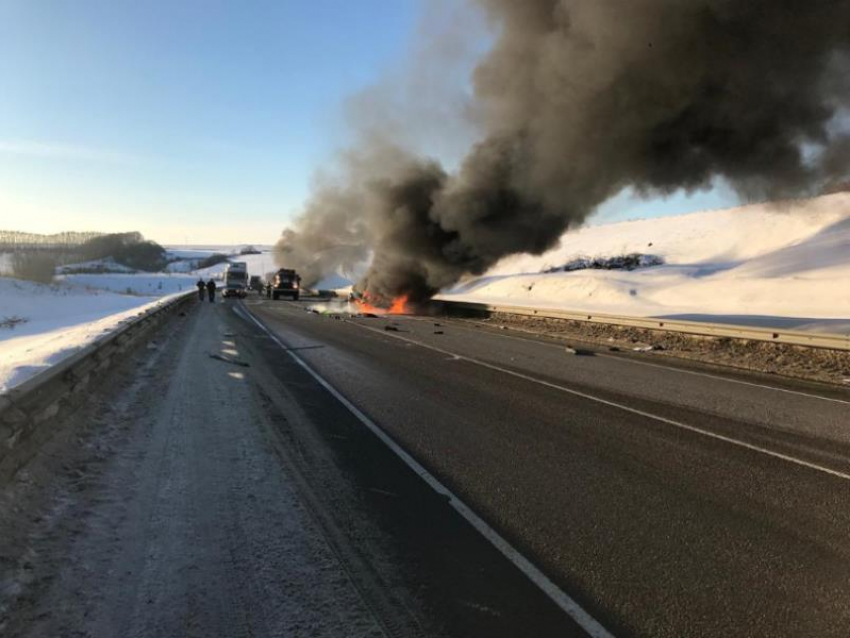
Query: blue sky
190	120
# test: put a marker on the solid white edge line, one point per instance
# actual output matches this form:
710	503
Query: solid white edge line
555	593
620	406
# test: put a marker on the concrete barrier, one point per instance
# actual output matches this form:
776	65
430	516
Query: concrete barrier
27	411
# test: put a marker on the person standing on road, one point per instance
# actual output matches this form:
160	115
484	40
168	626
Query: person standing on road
201	288
211	290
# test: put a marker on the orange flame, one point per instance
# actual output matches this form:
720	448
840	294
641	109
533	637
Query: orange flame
398	306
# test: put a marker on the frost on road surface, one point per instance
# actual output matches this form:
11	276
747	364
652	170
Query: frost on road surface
163	510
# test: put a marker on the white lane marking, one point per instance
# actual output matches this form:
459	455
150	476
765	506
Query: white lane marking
632	360
555	593
620	406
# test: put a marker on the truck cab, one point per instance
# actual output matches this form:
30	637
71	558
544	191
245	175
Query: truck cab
284	282
256	283
236	280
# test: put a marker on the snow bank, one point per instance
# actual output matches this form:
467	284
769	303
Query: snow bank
145	284
58	320
789	259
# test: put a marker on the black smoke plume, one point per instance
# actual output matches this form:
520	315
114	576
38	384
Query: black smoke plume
578	99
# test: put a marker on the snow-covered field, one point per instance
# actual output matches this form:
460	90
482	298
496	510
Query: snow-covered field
189	256
146	284
751	264
41	325
143	284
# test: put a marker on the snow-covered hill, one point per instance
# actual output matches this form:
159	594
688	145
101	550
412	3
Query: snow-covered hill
185	260
747	264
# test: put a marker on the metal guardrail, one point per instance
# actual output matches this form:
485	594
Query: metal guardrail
791	337
26	411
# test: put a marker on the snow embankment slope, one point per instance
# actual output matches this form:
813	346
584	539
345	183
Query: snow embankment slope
41	325
762	261
140	284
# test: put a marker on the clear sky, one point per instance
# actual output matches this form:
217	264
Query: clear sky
196	121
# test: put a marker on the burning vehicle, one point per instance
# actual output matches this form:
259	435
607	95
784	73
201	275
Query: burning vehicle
358	304
577	102
364	303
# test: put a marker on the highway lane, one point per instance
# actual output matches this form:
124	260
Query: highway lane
582	462
209	486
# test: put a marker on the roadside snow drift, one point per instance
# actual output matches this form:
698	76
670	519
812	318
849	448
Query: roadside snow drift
143	284
762	261
41	325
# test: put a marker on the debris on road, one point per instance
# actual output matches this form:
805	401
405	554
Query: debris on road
570	350
438	332
236	362
818	364
643	347
390	328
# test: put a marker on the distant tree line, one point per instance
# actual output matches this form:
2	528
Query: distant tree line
14	240
35	257
33	265
128	249
212	260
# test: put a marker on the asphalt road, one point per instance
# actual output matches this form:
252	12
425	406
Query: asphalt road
210	486
667	499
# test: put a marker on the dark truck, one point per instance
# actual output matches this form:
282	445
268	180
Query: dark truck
256	283
284	282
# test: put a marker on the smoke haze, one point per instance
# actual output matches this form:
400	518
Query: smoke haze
576	100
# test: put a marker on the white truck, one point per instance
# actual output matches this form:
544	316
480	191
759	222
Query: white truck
236	279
